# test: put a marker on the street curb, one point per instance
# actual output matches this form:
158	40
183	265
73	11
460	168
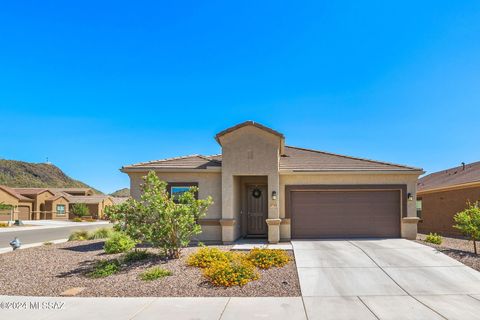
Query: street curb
32	245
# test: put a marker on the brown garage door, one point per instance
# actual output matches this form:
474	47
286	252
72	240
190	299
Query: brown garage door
23	213
352	213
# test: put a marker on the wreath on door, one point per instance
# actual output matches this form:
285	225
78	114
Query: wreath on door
256	193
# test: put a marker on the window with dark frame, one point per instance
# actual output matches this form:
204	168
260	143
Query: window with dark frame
176	189
419	208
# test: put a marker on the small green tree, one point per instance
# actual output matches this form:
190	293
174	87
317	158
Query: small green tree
468	222
80	210
160	220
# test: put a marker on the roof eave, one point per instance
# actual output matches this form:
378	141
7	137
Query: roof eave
147	169
450	187
351	171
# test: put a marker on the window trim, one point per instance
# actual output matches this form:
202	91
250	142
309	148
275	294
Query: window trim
182	184
64	210
419	199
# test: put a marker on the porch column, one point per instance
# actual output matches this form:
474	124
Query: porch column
227	222
273	220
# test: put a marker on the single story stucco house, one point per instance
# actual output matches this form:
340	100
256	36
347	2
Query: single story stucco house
263	188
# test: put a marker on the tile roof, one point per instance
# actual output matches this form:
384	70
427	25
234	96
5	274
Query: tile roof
30	191
186	162
15	194
294	159
87	199
301	159
450	177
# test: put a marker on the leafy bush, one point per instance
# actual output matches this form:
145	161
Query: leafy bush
77	220
4	206
468	222
155	273
101	233
434	238
205	256
4	224
237	272
105	268
79	235
136	255
80	210
118	242
267	258
159	219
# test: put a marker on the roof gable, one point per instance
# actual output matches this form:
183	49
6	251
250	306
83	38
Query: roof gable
248	123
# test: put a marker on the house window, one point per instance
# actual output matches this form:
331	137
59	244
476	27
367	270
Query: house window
60	209
176	189
419	208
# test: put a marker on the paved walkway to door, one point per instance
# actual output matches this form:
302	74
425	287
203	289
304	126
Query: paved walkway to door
384	279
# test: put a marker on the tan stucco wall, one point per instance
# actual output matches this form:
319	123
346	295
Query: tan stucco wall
248	151
209	184
39	200
6	198
410	180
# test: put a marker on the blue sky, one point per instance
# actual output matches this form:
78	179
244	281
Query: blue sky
94	86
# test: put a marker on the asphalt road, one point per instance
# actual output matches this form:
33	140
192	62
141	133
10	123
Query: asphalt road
42	235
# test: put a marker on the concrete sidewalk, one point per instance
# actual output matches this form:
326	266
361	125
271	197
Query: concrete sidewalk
462	307
50	224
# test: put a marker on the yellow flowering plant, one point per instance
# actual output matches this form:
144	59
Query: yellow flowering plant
267	258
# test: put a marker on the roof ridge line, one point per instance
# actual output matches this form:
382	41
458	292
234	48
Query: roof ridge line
355	158
207	158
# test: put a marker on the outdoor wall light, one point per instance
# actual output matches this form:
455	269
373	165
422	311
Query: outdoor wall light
410	197
274	195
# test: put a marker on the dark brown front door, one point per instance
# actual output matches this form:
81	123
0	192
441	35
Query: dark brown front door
257	210
354	213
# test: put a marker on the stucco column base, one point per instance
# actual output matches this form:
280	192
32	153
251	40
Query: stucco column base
228	230
409	227
273	230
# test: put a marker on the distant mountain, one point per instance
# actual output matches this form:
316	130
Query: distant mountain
125	192
36	175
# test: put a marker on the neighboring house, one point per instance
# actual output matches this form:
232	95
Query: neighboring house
262	188
21	206
442	194
96	204
50	203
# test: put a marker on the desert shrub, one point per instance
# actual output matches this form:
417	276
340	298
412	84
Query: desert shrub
434	238
104	268
267	258
205	256
47	243
79	210
468	222
136	255
237	272
77	220
158	219
101	233
79	235
4	224
155	273
118	242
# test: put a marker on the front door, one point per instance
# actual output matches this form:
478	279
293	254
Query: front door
257	210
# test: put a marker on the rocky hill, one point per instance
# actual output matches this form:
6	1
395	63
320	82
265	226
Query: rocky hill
35	175
125	192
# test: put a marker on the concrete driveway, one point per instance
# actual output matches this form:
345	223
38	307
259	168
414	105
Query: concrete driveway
384	279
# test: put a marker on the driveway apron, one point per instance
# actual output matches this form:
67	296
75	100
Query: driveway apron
383	279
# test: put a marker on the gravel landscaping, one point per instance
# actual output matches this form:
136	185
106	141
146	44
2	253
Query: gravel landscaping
53	269
457	248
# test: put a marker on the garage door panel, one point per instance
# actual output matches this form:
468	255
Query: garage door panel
345	214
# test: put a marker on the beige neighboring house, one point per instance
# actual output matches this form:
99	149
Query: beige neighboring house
21	206
264	189
96	204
